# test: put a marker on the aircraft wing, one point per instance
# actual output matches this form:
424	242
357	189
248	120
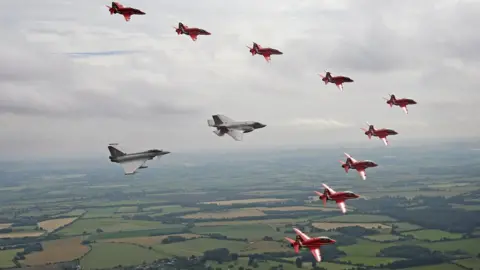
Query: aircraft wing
221	119
237	135
348	156
316	254
130	167
193	37
301	234
342	206
404	108
127	16
328	188
385	141
340	86
362	173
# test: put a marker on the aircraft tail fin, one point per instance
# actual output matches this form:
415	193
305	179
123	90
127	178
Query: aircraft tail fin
210	122
294	244
110	9
219	133
181	26
345	166
114	152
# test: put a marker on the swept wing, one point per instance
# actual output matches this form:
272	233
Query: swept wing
130	167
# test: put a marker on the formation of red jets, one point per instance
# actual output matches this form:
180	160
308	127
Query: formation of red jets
302	240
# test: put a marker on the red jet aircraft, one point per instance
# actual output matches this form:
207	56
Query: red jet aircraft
380	133
125	11
192	32
339	197
337	80
303	241
403	102
265	52
360	166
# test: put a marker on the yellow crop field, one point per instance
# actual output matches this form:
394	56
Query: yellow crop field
21	234
333	225
246	201
147	240
227	214
57	251
5	225
52	224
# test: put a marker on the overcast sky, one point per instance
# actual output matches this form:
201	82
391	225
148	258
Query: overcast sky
74	78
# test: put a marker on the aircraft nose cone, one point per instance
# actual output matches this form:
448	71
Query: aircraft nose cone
259	125
374	164
166	152
394	132
333	241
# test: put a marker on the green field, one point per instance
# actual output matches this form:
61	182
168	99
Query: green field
111	225
467	207
433	235
251	232
127	209
472	263
382	237
267	265
106	255
468	245
370	261
100	212
168	209
359	219
198	246
6	257
365	248
403	226
445	266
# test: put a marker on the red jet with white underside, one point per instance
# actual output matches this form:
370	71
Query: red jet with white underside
265	52
192	32
380	133
337	80
118	8
339	197
360	166
402	103
303	241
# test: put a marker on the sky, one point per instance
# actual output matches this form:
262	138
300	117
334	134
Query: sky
74	78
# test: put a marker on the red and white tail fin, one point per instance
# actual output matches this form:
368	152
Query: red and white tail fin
367	132
294	244
110	9
345	166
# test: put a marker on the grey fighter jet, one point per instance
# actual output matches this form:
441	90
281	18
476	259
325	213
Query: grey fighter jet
132	162
233	128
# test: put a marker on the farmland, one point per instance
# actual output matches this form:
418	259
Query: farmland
334	225
57	251
243	209
226	214
433	235
53	224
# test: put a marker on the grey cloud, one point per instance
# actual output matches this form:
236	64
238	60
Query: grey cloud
424	50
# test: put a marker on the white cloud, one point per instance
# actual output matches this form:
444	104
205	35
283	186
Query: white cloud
319	123
161	93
